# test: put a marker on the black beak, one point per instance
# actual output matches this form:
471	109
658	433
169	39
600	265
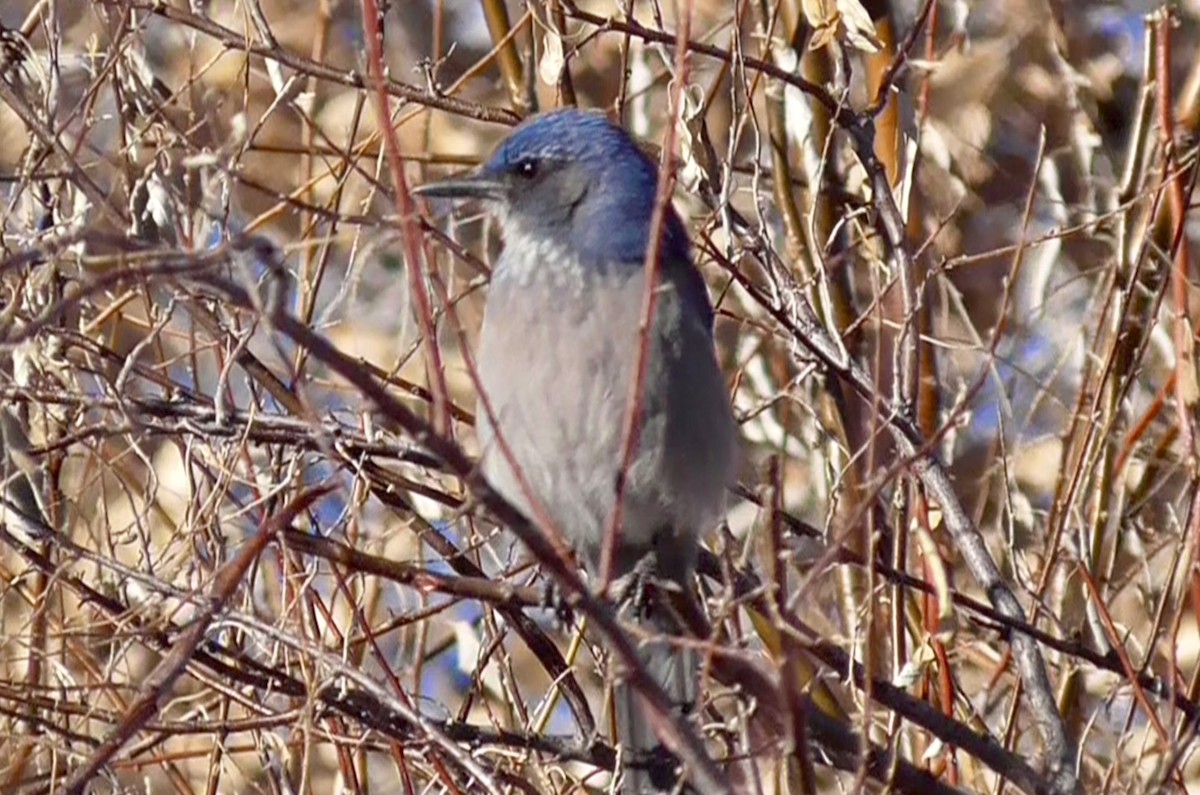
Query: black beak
465	186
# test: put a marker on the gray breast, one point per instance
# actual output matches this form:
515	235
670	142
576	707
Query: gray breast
557	357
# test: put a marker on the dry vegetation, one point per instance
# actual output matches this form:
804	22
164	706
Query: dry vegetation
242	547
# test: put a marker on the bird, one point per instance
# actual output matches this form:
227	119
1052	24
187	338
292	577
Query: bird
573	195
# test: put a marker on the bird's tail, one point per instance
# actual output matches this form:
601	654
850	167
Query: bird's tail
646	769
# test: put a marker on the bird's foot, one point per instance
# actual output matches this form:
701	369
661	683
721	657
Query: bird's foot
661	767
554	599
638	590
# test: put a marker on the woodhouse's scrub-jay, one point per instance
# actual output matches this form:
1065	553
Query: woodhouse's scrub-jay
557	357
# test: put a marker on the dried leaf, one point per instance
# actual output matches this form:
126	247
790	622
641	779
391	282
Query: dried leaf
820	13
859	29
935	750
845	20
551	65
691	172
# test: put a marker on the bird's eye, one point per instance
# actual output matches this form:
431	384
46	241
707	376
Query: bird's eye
527	169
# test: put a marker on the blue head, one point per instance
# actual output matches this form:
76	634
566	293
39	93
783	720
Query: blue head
573	178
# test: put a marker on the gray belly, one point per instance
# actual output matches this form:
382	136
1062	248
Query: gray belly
556	369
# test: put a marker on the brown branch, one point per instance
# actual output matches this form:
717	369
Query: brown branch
234	40
160	681
631	426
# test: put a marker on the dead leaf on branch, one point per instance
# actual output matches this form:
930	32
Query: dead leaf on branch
845	20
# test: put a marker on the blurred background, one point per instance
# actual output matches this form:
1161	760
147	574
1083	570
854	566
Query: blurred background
173	174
